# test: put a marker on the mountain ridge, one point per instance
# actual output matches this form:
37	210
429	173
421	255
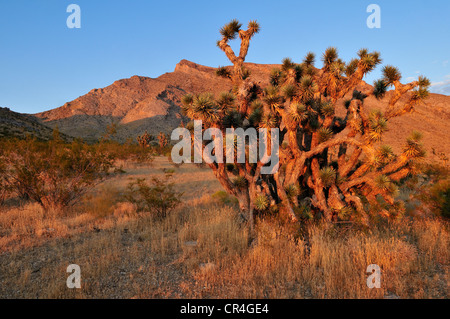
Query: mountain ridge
138	104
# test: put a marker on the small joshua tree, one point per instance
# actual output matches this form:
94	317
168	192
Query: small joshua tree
335	165
162	140
145	139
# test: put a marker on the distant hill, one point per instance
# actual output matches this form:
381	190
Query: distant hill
140	103
13	124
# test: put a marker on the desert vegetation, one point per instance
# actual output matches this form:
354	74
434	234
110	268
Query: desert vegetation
200	249
142	226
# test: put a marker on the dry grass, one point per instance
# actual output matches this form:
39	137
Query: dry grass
201	251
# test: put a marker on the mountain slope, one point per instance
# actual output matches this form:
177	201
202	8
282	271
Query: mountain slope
139	103
13	124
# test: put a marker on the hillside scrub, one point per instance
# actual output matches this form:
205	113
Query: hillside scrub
54	174
156	196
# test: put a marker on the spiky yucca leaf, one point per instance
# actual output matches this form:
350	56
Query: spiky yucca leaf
288	91
337	68
205	108
385	153
363	53
309	70
330	56
413	147
420	93
351	67
287	64
393	189
291	190
245	73
327	109
345	213
328	176
261	202
341	179
297	112
368	62
416	136
187	99
269	121
186	105
391	74
376	56
324	134
226	100
308	87
412	150
298	69
377	125
240	182
309	59
223	72
383	182
256	104
255	117
424	82
379	89
275	76
272	97
253	27
230	30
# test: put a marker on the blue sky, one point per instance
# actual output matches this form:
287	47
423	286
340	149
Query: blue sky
44	64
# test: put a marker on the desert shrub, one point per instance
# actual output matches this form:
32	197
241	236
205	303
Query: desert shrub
125	151
4	185
432	188
156	196
54	174
437	197
224	197
101	203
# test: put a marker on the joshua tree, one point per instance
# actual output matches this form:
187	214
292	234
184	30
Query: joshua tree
162	140
145	139
335	167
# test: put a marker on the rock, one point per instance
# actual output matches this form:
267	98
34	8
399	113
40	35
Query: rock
207	266
190	243
391	295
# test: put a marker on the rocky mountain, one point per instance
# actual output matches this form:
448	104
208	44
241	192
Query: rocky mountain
140	103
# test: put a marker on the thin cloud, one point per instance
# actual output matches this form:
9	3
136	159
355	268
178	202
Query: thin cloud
442	87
